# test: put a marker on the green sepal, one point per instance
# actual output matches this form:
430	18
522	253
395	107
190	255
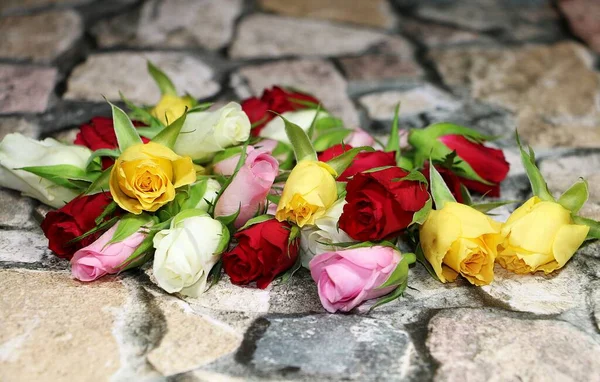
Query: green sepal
405	163
168	136
398	277
100	227
466	195
594	232
303	149
143	115
538	184
61	174
343	161
421	215
423	260
256	220
331	138
393	143
101	184
313	124
126	133
240	163
215	273
110	153
341	189
414	176
274	199
228	220
487	207
226	154
327	122
128	225
287	275
439	189
200	107
195	193
224	242
141	255
164	83
575	197
181	216
108	210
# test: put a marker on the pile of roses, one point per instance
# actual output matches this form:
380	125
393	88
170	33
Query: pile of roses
258	190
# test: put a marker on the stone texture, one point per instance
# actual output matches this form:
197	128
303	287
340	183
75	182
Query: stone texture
483	344
18	125
180	23
583	16
55	328
376	13
25	89
256	38
40	37
595	302
16	210
551	89
107	74
23	246
298	295
433	35
314	76
374	71
20	6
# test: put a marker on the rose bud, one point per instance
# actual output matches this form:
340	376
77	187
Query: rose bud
170	107
362	161
264	251
539	236
461	240
248	190
73	220
308	193
380	205
359	138
101	258
349	277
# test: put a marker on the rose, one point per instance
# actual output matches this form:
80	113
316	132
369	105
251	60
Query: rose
309	191
380	204
264	250
275	129
170	108
73	220
318	239
361	162
226	161
187	251
461	240
101	258
279	100
210	194
17	151
347	278
539	236
145	176
359	138
205	133
452	181
487	162
249	188
98	134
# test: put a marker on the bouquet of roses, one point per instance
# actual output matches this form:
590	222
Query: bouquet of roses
260	189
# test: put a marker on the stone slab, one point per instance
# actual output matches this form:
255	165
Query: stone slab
25	88
23	246
583	16
18	125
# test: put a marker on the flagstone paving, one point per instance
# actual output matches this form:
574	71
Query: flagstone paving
493	65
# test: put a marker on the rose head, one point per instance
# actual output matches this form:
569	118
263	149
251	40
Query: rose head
145	176
73	220
348	277
380	205
539	236
262	253
170	108
362	161
359	138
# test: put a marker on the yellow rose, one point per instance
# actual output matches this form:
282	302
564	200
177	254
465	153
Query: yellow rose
461	240
145	177
309	191
170	107
539	236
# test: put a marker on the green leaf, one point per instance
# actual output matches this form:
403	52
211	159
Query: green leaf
394	295
420	216
575	197
423	260
326	122
102	153
414	175
594	232
341	189
164	83
144	115
181	216
401	272
487	207
393	143
274	198
439	190
313	124
195	194
228	219
108	210
303	149
103	226
61	174
101	184
466	195
227	153
538	184
127	135
256	220
128	225
200	107
140	255
290	272
168	136
331	138
405	163
343	161
215	273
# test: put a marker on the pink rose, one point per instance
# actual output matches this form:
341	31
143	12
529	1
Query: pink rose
226	167
347	278
359	138
248	190
99	259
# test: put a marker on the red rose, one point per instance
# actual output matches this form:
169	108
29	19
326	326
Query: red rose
362	161
261	254
379	205
452	181
278	100
487	162
74	219
98	134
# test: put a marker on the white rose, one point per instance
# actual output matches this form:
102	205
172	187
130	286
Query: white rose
275	129
314	240
187	251
205	133
18	151
212	189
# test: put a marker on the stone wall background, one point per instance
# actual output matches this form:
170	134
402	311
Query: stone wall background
494	65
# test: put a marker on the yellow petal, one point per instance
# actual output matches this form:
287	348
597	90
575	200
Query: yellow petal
473	223
437	235
125	202
568	239
184	172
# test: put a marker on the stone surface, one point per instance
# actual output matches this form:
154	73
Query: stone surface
40	37
433	35
551	89
376	13
60	323
255	38
583	16
298	295
18	125
317	77
483	344
20	6
373	71
16	210
25	89
181	23
23	246
107	74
